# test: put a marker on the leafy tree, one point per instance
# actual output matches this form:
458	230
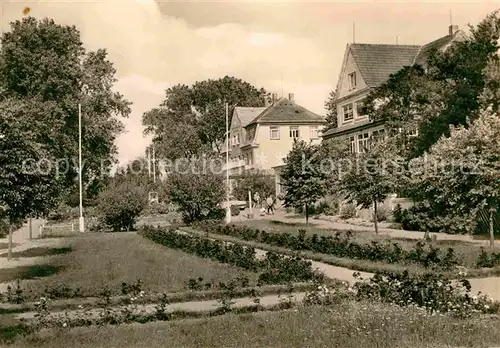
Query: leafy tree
46	63
254	181
331	112
191	120
121	203
303	177
372	176
197	191
462	172
29	181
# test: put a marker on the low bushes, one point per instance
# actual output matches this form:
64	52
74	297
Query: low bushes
421	218
273	269
341	245
487	260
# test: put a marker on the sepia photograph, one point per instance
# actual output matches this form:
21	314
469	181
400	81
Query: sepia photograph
249	174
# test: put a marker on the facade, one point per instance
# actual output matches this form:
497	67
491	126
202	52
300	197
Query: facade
367	66
259	138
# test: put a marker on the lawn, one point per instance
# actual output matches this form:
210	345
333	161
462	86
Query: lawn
347	325
468	252
112	258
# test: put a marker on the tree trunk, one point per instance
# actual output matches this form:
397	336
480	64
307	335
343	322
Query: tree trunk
307	215
375	216
9	255
492	231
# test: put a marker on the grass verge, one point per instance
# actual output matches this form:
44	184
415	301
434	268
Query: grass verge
346	325
99	260
39	252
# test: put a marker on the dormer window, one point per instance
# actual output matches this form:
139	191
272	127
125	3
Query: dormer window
347	112
352	80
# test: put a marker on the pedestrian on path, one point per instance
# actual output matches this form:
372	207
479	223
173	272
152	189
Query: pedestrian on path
270	203
256	199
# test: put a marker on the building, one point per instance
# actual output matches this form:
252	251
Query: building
259	138
367	66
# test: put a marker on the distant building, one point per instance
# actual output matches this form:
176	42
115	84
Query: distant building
259	138
367	66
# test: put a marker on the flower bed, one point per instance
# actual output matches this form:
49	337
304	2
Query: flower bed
341	245
273	269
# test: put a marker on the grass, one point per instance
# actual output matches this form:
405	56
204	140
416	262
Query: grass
347	325
6	245
27	272
39	252
468	252
112	258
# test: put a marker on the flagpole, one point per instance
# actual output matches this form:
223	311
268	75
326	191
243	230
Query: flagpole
228	208
80	169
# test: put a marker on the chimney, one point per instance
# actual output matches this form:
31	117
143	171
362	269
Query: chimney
275	98
452	29
291	98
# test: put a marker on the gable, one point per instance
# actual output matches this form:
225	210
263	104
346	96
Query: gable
348	68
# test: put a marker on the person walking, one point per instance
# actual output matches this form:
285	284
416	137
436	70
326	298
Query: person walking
270	203
256	199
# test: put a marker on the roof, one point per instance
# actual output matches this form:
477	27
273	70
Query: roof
247	114
285	111
426	50
350	127
377	62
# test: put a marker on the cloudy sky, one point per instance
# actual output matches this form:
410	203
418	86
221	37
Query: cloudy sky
283	46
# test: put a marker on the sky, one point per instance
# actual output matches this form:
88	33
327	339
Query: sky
284	46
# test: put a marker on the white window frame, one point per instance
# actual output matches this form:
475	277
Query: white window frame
276	130
344	107
363	139
314	132
378	134
352	140
352	80
294	132
358	104
238	139
413	133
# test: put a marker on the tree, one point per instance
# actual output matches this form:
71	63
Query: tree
331	112
462	172
254	181
29	182
47	64
303	177
121	203
192	120
197	191
372	175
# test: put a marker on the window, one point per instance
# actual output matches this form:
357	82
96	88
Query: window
233	142
314	132
413	133
238	139
294	132
347	112
359	106
352	80
274	133
363	142
353	144
378	134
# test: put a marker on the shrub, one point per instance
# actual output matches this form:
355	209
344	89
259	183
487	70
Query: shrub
397	213
159	208
348	211
120	204
342	245
197	195
421	218
382	213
